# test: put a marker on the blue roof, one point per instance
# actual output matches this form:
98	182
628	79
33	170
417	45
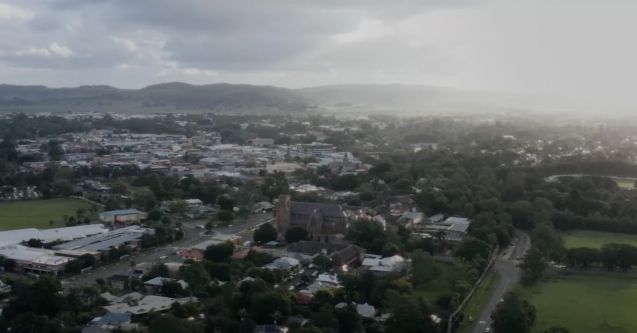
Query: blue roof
119	212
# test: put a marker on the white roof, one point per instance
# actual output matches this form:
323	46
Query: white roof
387	264
35	255
17	236
365	310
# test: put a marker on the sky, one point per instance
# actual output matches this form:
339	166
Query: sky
576	49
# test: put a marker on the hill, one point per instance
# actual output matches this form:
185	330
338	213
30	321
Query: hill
161	97
243	98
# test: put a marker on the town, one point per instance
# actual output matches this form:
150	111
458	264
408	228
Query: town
186	223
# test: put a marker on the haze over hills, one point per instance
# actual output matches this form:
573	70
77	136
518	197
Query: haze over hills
243	98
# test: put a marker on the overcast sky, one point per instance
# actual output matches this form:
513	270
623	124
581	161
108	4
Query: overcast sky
578	49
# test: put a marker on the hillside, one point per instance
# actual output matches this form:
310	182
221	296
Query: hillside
161	97
243	98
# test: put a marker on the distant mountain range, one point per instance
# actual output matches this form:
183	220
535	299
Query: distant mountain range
240	98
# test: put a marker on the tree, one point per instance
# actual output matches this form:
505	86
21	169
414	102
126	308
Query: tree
225	216
269	306
265	233
226	203
169	324
423	267
533	266
171	289
33	242
295	234
348	320
513	315
178	207
368	235
195	275
219	252
409	314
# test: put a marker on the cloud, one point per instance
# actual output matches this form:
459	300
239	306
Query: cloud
9	13
53	50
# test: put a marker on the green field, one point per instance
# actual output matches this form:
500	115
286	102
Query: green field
595	239
586	304
38	213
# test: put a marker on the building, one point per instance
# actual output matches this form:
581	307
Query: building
122	216
410	220
109	323
322	221
17	236
340	253
383	265
452	229
136	304
130	236
285	264
35	260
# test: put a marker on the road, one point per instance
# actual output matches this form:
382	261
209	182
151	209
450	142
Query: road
192	235
507	267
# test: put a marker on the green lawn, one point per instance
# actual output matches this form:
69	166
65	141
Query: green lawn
625	183
479	299
38	213
595	239
586	304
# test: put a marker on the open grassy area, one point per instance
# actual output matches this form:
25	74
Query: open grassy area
586	304
595	239
625	183
477	302
38	213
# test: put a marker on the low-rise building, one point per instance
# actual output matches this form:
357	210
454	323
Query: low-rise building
380	265
122	216
35	260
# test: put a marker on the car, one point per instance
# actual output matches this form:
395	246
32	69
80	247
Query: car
163	257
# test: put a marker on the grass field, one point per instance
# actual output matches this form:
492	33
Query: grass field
625	183
595	239
38	213
477	302
586	304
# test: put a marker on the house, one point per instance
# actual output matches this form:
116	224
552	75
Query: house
410	220
122	216
365	310
340	253
262	207
285	264
135	305
110	322
322	282
156	283
383	265
323	221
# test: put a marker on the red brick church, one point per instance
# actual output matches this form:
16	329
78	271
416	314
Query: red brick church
321	220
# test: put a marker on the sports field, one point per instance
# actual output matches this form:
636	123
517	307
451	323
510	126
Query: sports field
586	304
38	213
595	239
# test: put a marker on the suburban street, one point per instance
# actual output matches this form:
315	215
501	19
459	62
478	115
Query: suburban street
192	235
507	267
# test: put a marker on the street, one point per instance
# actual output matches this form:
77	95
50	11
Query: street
507	267
192	235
